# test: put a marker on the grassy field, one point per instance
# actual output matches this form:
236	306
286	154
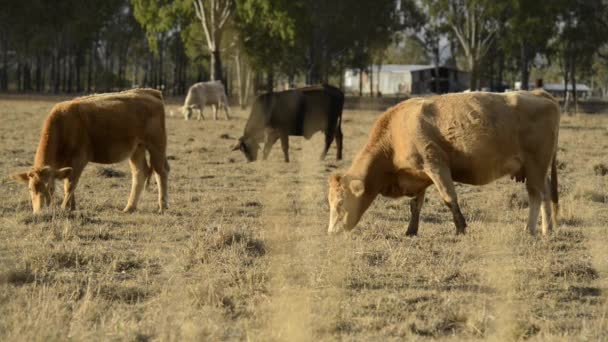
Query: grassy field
242	253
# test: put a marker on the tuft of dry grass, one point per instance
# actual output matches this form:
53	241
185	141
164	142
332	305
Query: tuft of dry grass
242	253
600	169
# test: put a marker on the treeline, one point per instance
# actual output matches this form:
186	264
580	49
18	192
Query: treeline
79	46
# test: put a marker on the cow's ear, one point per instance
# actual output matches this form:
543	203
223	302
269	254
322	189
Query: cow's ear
63	173
23	177
45	172
356	187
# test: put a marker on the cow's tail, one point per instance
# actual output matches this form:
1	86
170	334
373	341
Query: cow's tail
554	194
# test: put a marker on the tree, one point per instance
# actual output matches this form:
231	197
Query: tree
410	50
530	26
474	23
214	16
307	37
582	31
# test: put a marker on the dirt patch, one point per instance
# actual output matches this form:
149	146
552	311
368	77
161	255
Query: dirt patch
108	172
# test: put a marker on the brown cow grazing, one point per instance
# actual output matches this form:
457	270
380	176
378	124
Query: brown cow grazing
103	128
295	112
473	138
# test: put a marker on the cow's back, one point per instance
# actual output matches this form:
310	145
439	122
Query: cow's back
485	135
108	126
323	108
205	93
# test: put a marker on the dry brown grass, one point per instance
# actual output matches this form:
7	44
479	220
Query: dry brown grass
242	253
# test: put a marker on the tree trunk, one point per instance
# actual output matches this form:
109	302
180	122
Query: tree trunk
360	82
109	69
524	67
38	75
78	71
501	69
56	77
270	82
474	67
64	72
247	90
566	80
239	77
216	66
4	74
18	76
90	68
161	59
437	59
70	67
371	81
573	81
27	80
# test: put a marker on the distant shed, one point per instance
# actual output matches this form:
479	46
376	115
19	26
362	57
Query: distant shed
557	90
396	79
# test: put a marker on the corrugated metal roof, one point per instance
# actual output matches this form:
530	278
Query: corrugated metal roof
408	67
560	87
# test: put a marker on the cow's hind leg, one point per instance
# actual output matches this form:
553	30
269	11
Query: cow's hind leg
139	174
285	146
415	207
214	111
536	188
546	214
329	138
442	179
158	161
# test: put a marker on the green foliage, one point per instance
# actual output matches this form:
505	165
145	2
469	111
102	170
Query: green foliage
158	17
316	37
410	51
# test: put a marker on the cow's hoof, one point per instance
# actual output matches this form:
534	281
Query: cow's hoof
129	209
411	233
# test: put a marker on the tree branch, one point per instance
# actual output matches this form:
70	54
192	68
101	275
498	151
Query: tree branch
199	7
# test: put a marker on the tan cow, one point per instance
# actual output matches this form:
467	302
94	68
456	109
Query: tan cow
472	138
103	128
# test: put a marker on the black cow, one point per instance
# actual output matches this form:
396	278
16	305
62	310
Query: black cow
297	112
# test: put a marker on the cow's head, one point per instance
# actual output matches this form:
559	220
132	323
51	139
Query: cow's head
187	111
40	182
347	202
249	147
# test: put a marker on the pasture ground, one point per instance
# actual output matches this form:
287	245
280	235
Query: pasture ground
242	253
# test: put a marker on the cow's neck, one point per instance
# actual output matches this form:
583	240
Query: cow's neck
371	166
46	154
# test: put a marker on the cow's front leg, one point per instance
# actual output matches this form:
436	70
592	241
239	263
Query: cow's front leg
415	207
271	138
285	146
69	186
214	111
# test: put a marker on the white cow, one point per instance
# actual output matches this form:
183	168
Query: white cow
206	93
